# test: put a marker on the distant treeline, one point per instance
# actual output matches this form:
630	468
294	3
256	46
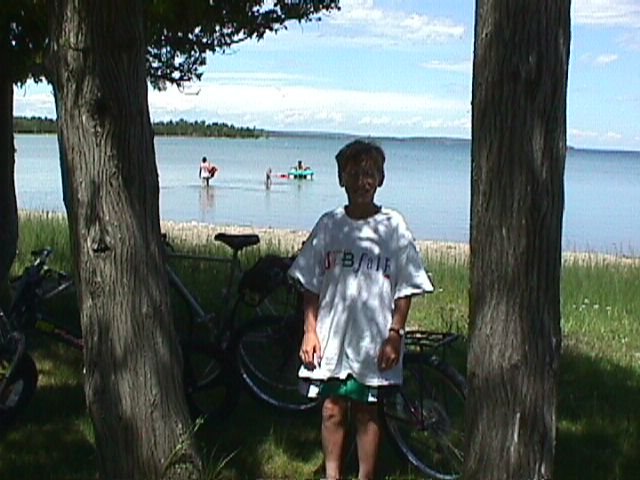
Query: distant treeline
202	129
178	128
34	125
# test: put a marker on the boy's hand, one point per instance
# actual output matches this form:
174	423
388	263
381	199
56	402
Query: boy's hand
310	352
389	354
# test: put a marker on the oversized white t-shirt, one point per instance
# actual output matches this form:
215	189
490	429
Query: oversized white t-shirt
358	268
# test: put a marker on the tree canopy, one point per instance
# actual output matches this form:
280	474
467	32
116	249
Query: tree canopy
180	35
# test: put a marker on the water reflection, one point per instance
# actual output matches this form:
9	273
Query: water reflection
207	200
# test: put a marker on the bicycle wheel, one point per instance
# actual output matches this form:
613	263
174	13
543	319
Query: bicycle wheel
210	383
266	352
425	416
19	388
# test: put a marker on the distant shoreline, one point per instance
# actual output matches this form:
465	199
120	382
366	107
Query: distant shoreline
180	128
253	133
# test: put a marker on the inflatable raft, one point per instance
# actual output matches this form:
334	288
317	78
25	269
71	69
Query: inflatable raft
305	173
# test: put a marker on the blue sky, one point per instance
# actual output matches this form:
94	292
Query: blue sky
399	68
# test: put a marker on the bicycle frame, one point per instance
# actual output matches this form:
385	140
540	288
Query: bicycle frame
27	299
12	342
219	323
198	313
49	327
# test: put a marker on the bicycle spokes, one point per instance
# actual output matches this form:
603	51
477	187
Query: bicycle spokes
425	417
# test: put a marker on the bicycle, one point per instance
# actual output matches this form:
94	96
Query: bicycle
223	350
210	377
425	415
18	371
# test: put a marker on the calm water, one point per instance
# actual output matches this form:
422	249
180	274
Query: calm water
428	181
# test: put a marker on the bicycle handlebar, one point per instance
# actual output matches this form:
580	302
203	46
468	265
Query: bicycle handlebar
41	256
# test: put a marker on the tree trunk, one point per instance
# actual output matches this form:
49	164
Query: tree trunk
133	380
518	155
8	207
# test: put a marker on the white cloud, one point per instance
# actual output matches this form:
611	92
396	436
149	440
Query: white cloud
297	107
461	67
583	134
37	105
599	60
375	121
256	78
361	22
34	100
622	13
605	59
610	138
234	98
631	40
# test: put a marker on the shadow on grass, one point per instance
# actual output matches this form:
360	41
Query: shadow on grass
599	420
49	439
598	430
264	443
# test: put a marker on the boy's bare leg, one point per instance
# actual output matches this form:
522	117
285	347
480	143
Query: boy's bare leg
367	437
334	427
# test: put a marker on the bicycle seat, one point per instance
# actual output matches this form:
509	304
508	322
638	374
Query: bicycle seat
237	242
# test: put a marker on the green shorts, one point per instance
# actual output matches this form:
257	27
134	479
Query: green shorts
336	387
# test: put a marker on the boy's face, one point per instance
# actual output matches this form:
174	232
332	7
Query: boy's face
361	179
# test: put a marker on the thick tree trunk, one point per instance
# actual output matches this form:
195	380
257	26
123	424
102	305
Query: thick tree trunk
132	360
518	154
8	207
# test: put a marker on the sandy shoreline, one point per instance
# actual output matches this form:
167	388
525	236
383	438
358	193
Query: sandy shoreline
290	240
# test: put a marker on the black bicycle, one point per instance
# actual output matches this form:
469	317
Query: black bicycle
251	339
18	372
217	347
31	290
425	415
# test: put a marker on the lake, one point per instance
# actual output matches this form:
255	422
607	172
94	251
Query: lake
428	180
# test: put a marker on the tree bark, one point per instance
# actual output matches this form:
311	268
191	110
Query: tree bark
518	154
133	380
8	205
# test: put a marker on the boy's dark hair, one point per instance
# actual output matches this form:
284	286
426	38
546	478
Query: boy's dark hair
357	150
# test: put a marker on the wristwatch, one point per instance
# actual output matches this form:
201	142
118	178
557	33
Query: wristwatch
399	331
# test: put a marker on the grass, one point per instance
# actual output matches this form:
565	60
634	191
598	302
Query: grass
598	434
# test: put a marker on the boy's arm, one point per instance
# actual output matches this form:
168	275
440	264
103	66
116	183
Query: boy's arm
389	355
310	350
401	308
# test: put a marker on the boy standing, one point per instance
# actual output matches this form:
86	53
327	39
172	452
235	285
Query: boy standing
360	267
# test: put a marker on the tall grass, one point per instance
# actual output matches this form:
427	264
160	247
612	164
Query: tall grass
598	434
39	230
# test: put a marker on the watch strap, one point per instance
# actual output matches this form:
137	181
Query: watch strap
398	331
